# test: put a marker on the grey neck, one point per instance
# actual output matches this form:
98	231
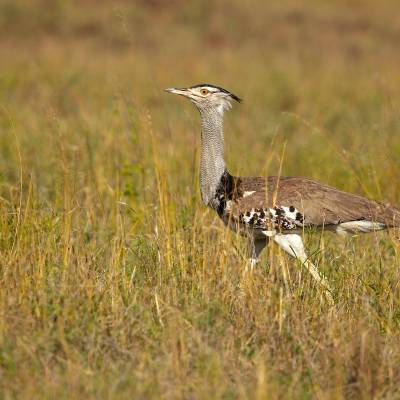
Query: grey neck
212	165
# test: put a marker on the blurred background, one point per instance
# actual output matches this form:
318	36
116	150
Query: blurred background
115	281
310	73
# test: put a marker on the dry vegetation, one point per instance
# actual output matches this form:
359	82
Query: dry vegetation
115	282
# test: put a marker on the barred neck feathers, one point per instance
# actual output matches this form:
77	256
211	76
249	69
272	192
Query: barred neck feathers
212	165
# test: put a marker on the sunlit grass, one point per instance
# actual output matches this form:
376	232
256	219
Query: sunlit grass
115	281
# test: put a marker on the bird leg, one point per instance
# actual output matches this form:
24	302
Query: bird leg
293	245
257	246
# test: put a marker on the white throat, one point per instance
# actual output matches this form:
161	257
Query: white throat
212	165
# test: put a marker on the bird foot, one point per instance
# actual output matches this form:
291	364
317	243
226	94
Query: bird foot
327	292
250	264
329	297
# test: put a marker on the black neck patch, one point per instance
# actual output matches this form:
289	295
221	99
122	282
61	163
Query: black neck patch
229	188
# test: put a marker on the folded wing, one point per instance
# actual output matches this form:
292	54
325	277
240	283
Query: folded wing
290	203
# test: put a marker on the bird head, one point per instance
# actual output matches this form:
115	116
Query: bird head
206	96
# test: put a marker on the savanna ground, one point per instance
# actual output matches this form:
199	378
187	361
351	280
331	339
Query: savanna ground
115	282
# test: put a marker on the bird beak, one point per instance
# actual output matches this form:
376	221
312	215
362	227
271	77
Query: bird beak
182	92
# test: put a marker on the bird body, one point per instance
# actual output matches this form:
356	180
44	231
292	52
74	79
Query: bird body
290	204
274	207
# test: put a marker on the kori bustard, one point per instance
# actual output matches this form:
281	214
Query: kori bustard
273	207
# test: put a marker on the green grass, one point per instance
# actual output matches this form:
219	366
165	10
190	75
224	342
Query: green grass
115	281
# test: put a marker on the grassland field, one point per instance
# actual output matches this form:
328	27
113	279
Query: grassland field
115	281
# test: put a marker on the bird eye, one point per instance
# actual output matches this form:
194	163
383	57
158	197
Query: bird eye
204	91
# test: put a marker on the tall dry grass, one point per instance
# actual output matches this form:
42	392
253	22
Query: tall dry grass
115	281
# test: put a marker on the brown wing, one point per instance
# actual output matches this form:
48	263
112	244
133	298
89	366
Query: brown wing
318	204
